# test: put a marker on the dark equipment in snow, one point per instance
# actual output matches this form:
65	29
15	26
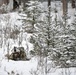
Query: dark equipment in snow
18	54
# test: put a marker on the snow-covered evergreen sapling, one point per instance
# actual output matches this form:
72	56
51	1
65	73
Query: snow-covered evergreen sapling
32	11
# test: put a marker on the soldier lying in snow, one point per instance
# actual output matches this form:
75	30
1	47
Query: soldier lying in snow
18	55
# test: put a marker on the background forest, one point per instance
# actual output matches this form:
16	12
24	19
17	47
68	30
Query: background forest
38	37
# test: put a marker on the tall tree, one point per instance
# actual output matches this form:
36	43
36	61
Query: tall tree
73	3
49	2
65	3
33	13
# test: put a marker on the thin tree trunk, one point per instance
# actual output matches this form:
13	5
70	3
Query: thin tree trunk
48	43
73	3
8	51
65	2
49	2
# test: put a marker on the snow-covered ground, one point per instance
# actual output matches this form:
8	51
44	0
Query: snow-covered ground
18	67
25	67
